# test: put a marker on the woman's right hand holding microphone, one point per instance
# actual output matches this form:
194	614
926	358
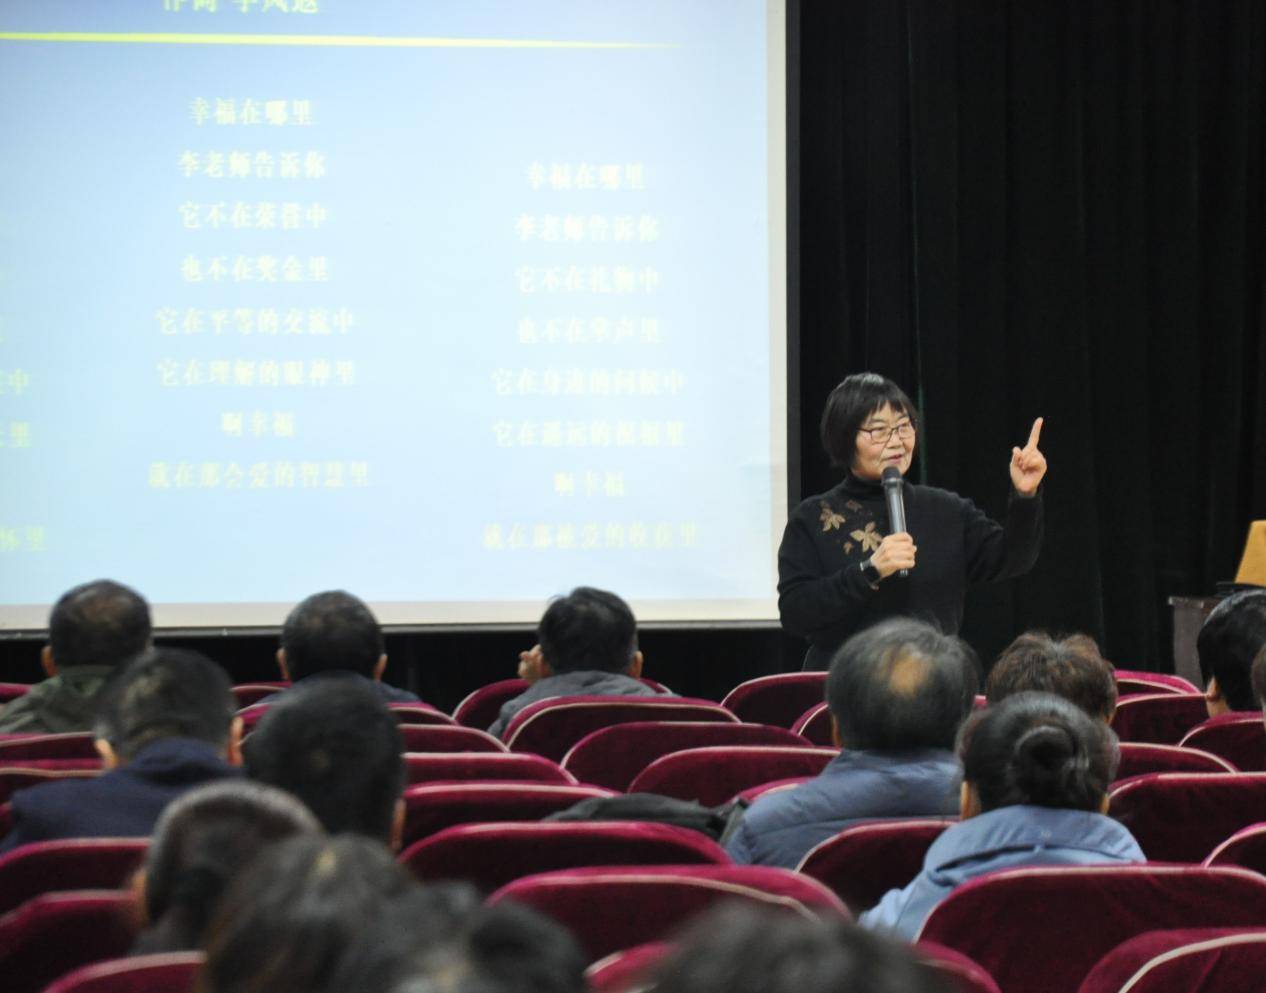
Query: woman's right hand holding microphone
894	553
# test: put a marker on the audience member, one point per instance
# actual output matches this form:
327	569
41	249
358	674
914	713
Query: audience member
742	949
587	647
165	725
1229	639
92	630
336	747
897	693
1259	677
1036	771
335	636
1070	667
200	843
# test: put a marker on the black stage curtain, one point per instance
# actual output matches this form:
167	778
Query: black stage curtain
1048	208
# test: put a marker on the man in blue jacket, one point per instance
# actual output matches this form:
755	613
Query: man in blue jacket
897	694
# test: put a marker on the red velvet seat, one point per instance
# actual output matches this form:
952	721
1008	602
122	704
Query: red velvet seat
67	864
481	708
715	775
431	807
628	969
1142	681
750	795
1240	738
550	727
1141	757
613	756
964	975
865	861
248	694
1186	960
1183	816
78	745
11	691
464	766
815	724
1162	718
1042	929
405	713
447	738
778	700
170	972
20	777
492	855
617	907
52	934
1245	848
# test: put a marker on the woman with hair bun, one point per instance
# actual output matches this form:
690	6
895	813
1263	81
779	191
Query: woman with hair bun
1036	770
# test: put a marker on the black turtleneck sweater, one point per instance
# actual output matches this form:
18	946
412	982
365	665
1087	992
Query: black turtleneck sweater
823	594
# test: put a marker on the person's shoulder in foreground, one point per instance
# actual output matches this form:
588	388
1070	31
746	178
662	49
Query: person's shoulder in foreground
165	725
587	645
92	630
897	693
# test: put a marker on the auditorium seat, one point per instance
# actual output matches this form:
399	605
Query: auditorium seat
52	934
78	745
1142	681
431	807
1140	757
170	972
1162	718
481	708
11	691
67	864
248	694
963	974
778	700
815	724
613	756
1240	738
20	777
1184	960
716	775
459	767
752	795
551	727
447	738
1183	816
618	907
1042	929
405	713
491	855
1245	848
865	861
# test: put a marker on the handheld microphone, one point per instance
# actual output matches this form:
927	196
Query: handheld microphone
893	484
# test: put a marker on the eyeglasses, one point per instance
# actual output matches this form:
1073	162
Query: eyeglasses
880	435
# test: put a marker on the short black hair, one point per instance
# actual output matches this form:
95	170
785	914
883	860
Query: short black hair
848	406
738	948
588	629
1229	640
1259	675
1069	667
335	745
165	693
98	623
331	630
901	685
1040	750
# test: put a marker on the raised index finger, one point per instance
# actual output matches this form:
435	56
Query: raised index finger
1033	434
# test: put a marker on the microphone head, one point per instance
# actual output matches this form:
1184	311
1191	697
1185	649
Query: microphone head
892	476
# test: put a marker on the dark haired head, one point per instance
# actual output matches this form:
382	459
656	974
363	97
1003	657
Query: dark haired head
848	406
737	948
337	747
1259	676
1069	667
1230	638
329	631
1038	749
98	623
588	629
901	685
165	693
202	840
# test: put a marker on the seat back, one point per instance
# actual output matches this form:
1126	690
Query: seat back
431	807
750	795
1042	929
815	724
170	972
613	908
67	864
447	738
248	694
465	766
11	691
865	861
52	934
1238	738
19	777
551	727
715	775
1246	848
1162	718
964	975
1183	816
613	756
1193	960
481	708
78	745
778	700
405	713
1141	757
629	969
492	855
1142	681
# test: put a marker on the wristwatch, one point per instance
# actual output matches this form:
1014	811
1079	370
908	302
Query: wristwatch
870	573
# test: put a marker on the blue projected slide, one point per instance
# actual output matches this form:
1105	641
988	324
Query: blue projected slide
452	304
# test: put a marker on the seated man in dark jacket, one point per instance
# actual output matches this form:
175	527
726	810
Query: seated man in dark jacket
93	629
897	694
1229	639
165	725
587	647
